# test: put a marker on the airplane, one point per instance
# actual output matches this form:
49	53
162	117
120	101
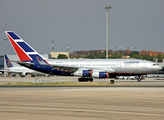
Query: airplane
86	69
23	71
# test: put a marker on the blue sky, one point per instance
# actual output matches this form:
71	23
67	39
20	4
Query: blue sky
132	23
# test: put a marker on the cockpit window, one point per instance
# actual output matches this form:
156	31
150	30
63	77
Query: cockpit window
155	65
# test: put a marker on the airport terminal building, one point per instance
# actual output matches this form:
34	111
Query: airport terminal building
1	62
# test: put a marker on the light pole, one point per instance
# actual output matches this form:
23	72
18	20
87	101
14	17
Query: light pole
107	8
6	45
5	66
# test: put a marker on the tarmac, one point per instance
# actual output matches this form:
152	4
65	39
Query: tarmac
70	79
89	103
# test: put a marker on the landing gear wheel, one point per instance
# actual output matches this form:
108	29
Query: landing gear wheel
85	79
81	80
139	79
111	81
32	75
91	79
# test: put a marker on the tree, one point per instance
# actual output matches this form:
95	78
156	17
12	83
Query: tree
134	53
135	56
90	56
159	57
101	55
62	56
116	55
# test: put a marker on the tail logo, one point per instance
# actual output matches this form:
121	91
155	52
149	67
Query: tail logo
17	47
24	51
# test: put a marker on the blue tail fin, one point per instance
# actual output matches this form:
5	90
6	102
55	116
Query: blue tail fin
8	63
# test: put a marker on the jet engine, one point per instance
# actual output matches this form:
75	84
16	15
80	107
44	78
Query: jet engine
96	73
99	74
83	73
23	74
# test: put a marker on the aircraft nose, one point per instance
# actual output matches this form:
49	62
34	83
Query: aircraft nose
161	68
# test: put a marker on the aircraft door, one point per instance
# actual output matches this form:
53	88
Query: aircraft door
143	64
118	65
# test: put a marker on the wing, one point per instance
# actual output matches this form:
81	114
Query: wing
64	67
75	68
22	63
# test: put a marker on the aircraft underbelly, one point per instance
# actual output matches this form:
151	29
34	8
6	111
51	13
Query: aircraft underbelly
131	70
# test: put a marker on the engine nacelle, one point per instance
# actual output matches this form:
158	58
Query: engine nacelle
83	73
96	73
100	74
23	74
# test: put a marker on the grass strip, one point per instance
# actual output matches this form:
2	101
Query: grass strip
57	83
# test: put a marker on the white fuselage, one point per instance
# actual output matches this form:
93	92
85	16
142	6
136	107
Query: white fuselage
110	65
21	70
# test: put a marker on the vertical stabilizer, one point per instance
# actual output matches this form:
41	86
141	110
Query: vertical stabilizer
8	63
24	51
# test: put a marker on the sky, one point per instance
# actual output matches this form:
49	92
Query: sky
82	24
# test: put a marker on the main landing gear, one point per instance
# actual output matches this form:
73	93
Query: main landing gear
85	79
139	79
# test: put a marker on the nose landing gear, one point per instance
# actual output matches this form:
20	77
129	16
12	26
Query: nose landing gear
139	79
